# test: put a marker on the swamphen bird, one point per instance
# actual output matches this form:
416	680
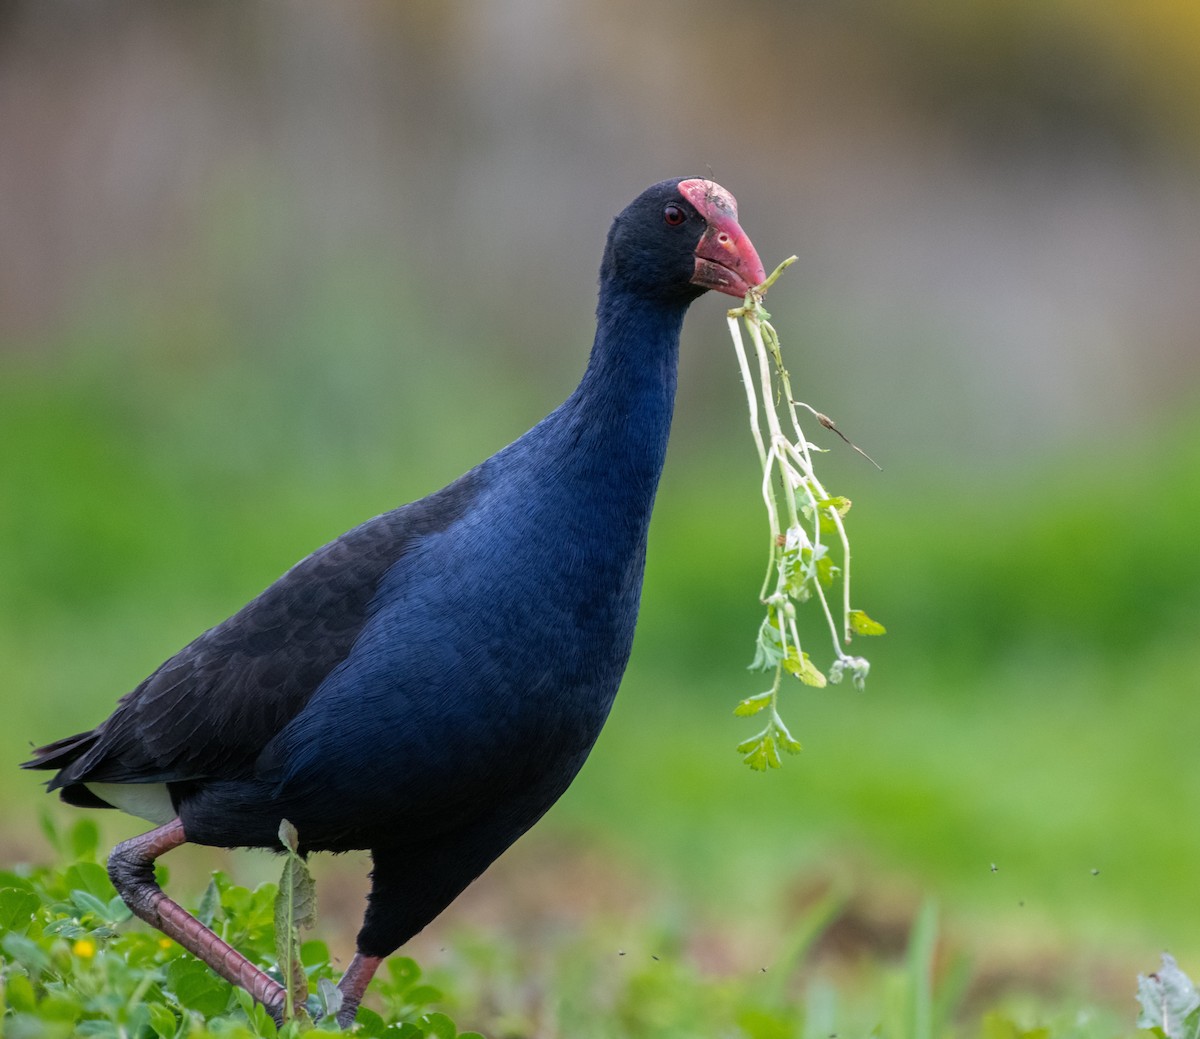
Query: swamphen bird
427	685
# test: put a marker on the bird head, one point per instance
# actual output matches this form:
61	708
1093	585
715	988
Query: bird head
678	239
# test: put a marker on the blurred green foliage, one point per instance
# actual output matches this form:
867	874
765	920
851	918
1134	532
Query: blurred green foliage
70	966
1032	709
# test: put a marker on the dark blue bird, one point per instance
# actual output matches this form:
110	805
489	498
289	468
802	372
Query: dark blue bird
427	685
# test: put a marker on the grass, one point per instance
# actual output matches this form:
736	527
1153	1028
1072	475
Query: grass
71	966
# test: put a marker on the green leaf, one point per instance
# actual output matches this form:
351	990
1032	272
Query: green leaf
65	927
256	1014
117	911
84	839
162	1022
19	994
768	650
761	752
746	746
59	1007
27	953
753	704
757	758
804	669
788	743
210	901
17	907
799	568
11	879
89	903
404	971
438	1026
302	893
295	907
368	1023
314	953
1169	1001
329	997
424	994
838	503
863	625
827	571
196	987
90	877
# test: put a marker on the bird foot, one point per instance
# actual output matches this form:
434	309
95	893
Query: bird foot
131	869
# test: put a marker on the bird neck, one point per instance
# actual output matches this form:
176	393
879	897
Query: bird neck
621	412
589	471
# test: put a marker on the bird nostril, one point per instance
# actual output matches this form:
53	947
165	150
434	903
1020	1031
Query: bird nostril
723	238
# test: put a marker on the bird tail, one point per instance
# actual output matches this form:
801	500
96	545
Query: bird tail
61	753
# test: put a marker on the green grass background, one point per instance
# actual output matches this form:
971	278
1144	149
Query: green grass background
1033	707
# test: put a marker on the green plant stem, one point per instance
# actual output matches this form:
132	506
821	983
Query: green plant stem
766	348
797	567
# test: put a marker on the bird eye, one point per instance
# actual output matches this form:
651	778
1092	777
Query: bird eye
674	216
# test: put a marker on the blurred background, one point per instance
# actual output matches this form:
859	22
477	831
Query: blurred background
269	268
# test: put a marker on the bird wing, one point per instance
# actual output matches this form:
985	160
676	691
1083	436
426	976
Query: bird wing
210	709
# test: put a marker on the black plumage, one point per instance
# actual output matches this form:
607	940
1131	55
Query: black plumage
428	684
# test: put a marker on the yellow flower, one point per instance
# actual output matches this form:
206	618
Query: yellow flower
84	948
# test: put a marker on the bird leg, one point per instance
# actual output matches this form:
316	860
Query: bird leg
353	984
131	868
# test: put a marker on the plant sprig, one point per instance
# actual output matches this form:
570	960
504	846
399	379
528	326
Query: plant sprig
806	522
295	907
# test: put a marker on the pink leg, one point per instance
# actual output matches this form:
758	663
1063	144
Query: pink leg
354	983
131	867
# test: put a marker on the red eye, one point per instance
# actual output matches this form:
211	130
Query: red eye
674	216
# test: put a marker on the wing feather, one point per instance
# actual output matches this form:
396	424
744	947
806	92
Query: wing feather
209	710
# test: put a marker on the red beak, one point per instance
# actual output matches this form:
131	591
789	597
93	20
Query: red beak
725	258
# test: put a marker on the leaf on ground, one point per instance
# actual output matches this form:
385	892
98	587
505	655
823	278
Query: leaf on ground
196	987
86	902
17	907
438	1025
161	1021
90	877
1169	1001
330	998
